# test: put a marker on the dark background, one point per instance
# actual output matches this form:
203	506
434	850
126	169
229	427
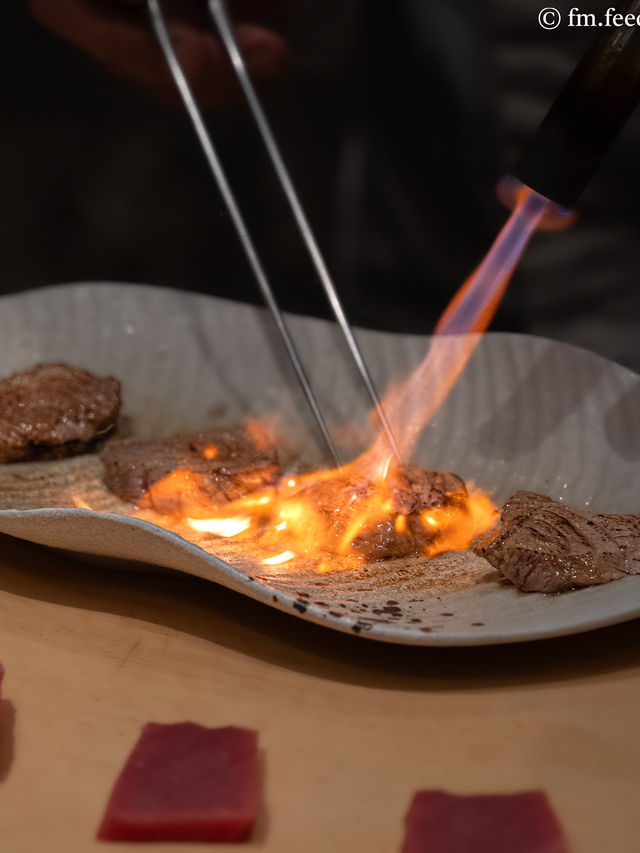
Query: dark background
397	119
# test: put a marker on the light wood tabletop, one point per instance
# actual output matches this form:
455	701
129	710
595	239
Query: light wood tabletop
349	728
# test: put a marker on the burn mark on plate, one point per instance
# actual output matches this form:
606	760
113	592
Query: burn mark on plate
381	621
394	612
300	605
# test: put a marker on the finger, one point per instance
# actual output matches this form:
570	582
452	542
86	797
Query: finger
271	13
122	39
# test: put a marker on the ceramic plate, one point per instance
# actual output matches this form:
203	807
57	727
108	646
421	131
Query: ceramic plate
526	413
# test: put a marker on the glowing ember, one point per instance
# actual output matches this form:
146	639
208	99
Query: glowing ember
210	452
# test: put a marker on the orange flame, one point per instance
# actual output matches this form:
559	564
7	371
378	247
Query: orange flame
180	492
345	514
375	507
410	405
457	531
79	503
284	557
227	527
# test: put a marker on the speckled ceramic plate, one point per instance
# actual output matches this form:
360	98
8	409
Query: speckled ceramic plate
527	413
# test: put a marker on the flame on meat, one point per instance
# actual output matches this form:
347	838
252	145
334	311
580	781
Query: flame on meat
227	527
347	514
373	503
456	531
284	557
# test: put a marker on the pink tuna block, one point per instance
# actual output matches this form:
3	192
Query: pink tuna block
185	782
438	822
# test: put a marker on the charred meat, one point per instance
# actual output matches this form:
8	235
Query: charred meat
342	503
217	465
543	546
53	411
413	490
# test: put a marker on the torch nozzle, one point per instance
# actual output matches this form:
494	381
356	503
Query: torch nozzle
554	218
586	117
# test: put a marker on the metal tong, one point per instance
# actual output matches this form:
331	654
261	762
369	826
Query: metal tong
220	16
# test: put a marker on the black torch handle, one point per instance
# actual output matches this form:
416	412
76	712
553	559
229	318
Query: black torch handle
586	117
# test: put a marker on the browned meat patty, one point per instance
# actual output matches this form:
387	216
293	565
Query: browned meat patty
625	529
223	465
411	489
543	546
53	411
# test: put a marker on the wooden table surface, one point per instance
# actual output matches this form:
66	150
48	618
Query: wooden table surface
348	728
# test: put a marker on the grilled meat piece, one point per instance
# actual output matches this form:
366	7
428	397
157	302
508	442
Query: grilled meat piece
543	546
625	529
411	490
216	465
53	411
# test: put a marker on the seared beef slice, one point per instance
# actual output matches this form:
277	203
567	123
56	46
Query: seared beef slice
222	465
625	529
411	490
543	546
53	411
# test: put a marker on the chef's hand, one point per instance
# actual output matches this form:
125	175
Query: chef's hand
118	33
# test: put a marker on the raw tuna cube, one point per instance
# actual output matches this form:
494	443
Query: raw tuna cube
185	782
438	822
